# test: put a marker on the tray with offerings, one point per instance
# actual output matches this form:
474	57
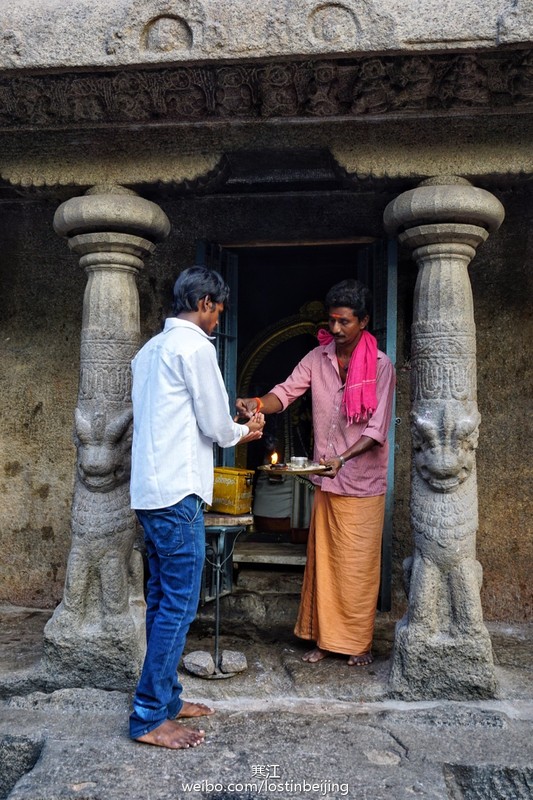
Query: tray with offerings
307	468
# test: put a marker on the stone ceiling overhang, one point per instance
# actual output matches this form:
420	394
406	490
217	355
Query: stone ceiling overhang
94	34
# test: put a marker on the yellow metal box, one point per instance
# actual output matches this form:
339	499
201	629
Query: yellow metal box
232	490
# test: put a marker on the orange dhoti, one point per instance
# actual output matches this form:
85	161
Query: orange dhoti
342	574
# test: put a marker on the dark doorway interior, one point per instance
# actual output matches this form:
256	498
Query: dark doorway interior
274	284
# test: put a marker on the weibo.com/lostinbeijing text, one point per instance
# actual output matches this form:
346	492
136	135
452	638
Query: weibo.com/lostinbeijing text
285	788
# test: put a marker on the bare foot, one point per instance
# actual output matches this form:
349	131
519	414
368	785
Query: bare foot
194	710
362	660
314	655
173	735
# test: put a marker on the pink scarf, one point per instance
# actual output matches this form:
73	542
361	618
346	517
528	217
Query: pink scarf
359	398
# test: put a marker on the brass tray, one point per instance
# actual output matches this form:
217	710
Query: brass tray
289	469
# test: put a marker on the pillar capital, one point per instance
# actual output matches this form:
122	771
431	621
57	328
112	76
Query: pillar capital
450	203
111	219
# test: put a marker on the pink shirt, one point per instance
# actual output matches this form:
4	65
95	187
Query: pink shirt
364	475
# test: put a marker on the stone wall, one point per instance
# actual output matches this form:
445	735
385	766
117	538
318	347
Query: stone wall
40	304
502	281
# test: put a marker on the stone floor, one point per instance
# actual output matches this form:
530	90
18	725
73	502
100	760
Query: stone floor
282	729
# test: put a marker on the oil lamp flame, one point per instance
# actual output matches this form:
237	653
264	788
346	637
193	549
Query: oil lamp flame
274	458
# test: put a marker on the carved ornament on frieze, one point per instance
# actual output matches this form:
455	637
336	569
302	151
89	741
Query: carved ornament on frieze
168	33
333	23
484	83
157	28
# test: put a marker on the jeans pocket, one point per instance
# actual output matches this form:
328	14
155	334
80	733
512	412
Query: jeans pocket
189	508
168	528
164	528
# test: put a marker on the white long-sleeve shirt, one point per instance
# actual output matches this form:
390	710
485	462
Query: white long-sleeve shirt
180	408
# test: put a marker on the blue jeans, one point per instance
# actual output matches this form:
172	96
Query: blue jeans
175	548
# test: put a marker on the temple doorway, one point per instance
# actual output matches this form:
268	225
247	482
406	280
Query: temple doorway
276	308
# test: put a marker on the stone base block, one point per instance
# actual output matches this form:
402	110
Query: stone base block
439	666
105	655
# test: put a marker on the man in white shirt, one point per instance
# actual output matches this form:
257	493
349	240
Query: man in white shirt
180	408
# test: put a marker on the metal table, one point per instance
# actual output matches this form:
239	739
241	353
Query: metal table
217	528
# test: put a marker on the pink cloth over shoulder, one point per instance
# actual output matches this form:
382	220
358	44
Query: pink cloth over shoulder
366	475
359	398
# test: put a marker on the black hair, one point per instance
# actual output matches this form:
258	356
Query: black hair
195	283
350	294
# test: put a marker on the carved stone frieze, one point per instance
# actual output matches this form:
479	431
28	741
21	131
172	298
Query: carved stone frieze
441	84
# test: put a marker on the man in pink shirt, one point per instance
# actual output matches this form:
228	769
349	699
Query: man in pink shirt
352	388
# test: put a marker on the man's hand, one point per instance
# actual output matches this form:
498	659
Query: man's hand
246	407
334	464
255	425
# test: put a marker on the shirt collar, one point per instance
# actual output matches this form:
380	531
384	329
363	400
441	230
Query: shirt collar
174	322
329	350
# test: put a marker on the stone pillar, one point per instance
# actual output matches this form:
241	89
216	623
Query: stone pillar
96	635
442	648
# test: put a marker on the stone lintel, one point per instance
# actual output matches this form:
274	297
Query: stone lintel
57	34
380	117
